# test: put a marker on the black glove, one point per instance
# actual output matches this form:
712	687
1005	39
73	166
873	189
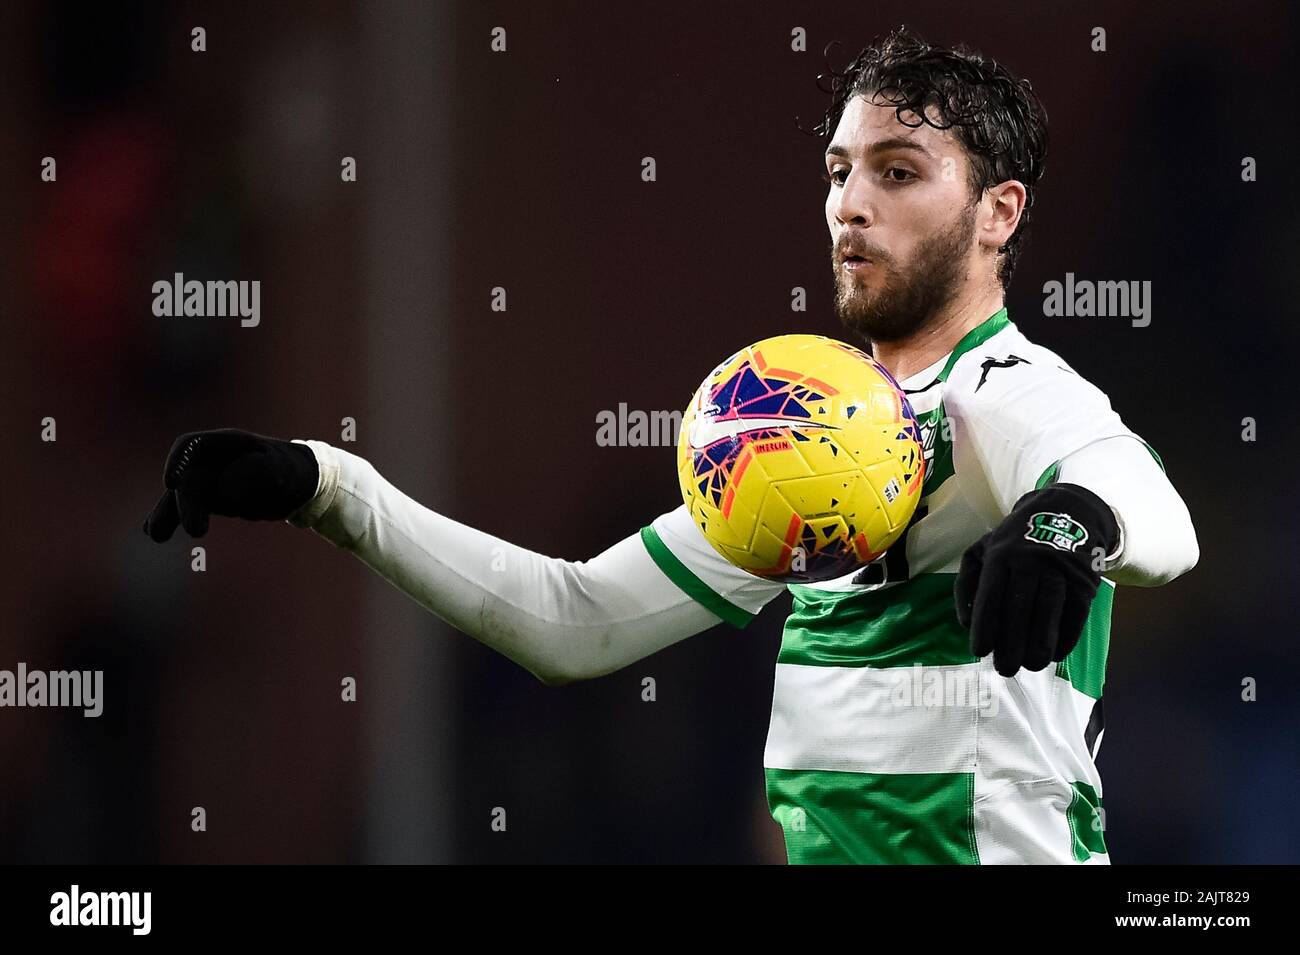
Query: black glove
232	473
1025	587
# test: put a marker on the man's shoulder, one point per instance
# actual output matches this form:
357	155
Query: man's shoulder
1015	385
1009	366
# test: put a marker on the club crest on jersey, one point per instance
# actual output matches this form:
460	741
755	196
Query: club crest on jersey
929	428
1056	530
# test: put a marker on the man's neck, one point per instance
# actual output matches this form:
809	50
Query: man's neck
907	356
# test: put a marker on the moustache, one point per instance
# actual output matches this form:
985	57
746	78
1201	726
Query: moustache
860	249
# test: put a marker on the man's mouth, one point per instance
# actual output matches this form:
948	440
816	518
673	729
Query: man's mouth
852	263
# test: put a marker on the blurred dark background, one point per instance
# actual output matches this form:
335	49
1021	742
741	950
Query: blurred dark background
522	169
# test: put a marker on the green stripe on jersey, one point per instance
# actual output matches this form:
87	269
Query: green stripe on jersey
975	337
1154	455
1087	832
1053	470
1085	667
939	468
912	622
872	818
694	588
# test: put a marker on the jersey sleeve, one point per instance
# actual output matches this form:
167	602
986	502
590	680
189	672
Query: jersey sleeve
562	620
1157	541
680	550
1016	416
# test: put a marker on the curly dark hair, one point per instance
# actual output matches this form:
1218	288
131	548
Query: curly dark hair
997	117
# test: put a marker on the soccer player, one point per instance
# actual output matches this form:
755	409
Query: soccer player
942	704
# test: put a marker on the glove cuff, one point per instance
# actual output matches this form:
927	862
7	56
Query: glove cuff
1072	518
327	483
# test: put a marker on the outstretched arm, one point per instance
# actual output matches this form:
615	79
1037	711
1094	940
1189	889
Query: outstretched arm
562	620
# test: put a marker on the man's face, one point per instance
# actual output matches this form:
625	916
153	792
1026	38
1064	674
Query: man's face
902	221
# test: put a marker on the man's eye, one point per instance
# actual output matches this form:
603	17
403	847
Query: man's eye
903	174
833	176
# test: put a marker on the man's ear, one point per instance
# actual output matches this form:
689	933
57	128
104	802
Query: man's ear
1005	203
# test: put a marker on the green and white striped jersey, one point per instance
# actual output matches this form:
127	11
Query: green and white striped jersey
889	742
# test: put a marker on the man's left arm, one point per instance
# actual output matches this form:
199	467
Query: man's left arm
1157	540
1081	497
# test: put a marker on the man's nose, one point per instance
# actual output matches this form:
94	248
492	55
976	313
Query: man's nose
853	205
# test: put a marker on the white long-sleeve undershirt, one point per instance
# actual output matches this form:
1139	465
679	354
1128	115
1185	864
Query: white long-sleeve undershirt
561	620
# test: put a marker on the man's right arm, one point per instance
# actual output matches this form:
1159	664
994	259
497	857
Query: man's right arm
561	620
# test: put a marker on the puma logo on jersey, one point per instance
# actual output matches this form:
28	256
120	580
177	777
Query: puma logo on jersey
990	363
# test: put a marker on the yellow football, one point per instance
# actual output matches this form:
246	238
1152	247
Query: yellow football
800	459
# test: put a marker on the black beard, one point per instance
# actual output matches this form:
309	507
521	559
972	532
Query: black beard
908	300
